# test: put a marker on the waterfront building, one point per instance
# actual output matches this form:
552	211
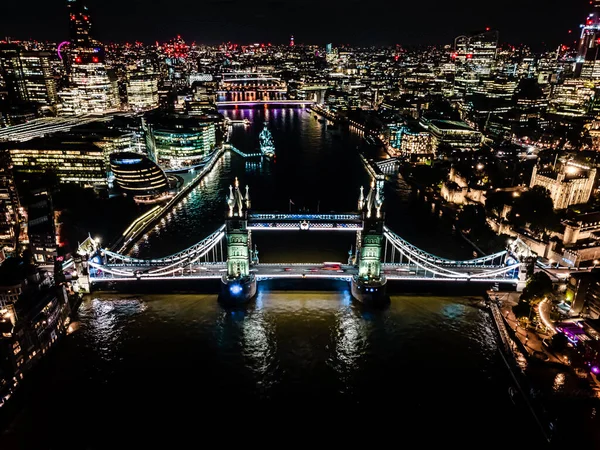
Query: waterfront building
9	204
138	176
453	134
569	184
72	162
583	293
142	92
179	142
410	139
33	315
41	228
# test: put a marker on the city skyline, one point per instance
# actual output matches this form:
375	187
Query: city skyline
273	21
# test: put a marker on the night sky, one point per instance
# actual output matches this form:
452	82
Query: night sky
379	22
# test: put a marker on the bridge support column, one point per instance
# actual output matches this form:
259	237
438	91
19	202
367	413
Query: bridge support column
522	282
370	285
238	285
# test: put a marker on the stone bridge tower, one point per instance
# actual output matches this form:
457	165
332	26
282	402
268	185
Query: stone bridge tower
369	286
238	284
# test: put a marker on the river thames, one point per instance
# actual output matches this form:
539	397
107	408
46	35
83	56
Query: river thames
293	365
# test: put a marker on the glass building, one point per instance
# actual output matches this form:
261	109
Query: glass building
138	176
72	162
179	142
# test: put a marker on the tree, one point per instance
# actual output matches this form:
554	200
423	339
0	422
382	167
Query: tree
538	286
472	218
559	342
495	201
535	208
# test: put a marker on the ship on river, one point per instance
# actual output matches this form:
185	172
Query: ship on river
267	146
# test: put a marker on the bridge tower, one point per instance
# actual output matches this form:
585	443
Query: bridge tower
238	284
369	286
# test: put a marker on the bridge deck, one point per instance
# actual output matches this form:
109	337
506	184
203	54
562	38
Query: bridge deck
292	271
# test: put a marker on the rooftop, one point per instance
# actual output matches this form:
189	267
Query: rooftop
450	125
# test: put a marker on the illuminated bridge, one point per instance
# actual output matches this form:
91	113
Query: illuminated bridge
266	102
228	254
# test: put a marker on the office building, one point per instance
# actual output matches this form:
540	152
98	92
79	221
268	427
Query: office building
9	204
72	162
142	92
93	89
179	142
80	24
569	184
27	75
41	228
477	51
410	139
452	134
587	63
573	97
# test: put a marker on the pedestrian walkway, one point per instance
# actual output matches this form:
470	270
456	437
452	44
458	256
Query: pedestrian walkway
531	340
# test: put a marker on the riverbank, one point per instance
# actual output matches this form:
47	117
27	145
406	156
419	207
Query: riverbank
546	382
143	223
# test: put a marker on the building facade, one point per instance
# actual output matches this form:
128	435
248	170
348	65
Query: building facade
138	176
453	134
570	185
72	162
142	92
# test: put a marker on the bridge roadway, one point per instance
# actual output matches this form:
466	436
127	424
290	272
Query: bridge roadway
265	102
279	271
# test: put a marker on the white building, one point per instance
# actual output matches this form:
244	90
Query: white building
570	185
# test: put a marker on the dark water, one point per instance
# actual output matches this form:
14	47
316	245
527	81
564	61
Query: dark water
293	368
316	170
174	366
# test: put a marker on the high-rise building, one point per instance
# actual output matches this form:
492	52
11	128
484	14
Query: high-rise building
587	63
477	51
93	90
142	92
9	204
41	228
27	75
80	24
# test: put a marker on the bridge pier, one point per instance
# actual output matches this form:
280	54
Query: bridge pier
370	285
238	285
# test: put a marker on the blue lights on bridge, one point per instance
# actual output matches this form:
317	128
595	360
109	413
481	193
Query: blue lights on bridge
235	289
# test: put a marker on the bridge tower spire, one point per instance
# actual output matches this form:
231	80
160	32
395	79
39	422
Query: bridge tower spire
369	286
238	284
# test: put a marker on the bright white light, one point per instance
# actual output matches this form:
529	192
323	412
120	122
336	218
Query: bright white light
572	170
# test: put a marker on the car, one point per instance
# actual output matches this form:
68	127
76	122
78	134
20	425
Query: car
287	269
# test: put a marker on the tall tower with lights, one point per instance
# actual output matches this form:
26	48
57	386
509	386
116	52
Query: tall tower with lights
291	41
80	24
587	64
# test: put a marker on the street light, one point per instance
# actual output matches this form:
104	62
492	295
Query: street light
596	263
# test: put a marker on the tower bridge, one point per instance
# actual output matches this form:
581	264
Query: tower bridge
379	256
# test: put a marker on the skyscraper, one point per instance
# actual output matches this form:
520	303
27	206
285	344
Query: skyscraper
477	50
92	88
27	75
587	64
80	24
